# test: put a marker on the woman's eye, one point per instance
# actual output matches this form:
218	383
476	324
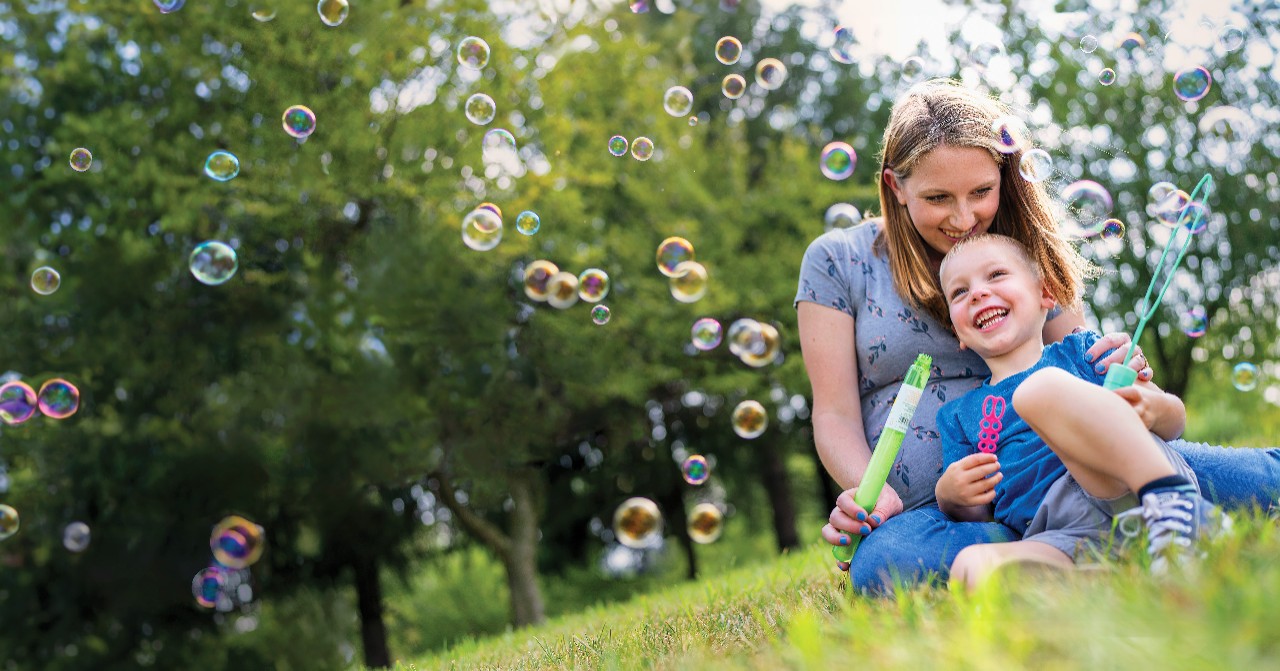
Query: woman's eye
935	199
985	190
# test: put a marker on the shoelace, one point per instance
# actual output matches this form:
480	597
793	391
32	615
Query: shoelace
1167	522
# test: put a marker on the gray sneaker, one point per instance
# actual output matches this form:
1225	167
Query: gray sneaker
1174	521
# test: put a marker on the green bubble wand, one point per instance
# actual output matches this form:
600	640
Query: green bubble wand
1120	374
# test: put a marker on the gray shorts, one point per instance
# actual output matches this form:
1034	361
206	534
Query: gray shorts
1070	519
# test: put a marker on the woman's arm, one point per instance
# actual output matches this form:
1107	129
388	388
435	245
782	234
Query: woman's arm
827	344
1162	412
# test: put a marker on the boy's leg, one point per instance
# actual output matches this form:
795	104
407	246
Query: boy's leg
1098	436
913	544
976	562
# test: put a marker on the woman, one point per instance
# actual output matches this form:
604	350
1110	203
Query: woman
875	286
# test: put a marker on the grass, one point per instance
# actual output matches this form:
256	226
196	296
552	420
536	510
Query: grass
793	613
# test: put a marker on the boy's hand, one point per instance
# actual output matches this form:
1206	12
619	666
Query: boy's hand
965	482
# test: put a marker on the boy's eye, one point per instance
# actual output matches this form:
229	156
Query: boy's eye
958	292
998	273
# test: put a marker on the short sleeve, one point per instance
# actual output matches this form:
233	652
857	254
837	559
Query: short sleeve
1076	345
830	273
955	446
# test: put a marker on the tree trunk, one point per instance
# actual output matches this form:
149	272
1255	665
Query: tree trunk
773	474
521	559
373	632
828	490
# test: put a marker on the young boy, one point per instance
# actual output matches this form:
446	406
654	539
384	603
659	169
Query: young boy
1063	490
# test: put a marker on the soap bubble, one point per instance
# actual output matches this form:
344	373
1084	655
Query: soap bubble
841	215
671	253
1112	229
749	419
528	222
222	166
618	145
728	50
1194	322
17	402
705	523
690	282
45	280
600	315
769	352
1132	44
206	586
333	12
9	521
536	276
1107	77
236	542
912	70
498	145
842	48
75	537
1159	191
1227	134
770	73
58	399
213	262
1088	43
562	290
693	121
1011	134
695	469
593	285
490	207
299	121
480	109
733	86
642	149
637	523
1169	211
1244	376
169	6
1036	165
1195	216
838	161
263	14
481	229
984	53
473	52
1231	38
677	101
1088	204
1191	84
706	334
639	6
746	335
81	159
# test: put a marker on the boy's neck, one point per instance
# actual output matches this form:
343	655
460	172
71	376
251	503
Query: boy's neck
1016	360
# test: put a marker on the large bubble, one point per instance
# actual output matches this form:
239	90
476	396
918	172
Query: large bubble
1036	165
222	166
333	12
213	262
770	74
45	280
750	419
746	335
9	521
75	537
671	253
843	45
1192	84
58	399
528	222
1231	38
473	52
1194	322
480	109
841	215
481	229
1011	134
705	523
677	101
728	50
637	523
1227	135
766	354
17	402
562	290
706	334
733	86
695	469
1089	206
536	276
838	161
689	284
236	542
299	121
1244	376
593	285
81	159
1088	44
642	149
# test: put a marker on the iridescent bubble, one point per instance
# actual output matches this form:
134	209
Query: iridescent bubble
1227	135
169	6
1231	38
1160	191
746	336
1192	84
58	399
490	206
912	70
838	161
600	315
749	419
473	52
45	280
9	521
639	6
728	50
1088	43
528	222
671	253
75	537
733	86
213	262
770	73
81	159
693	121
1036	165
207	585
705	523
1195	216
562	290
536	276
593	285
695	469
480	109
481	229
637	523
1112	229
17	402
1011	134
1088	206
690	282
706	334
843	45
769	353
299	121
1244	376
263	14
222	166
498	144
236	542
1132	44
618	145
333	12
677	101
983	54
841	215
1194	322
1169	211
642	149
1107	77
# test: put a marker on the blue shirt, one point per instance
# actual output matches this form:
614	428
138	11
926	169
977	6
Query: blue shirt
985	418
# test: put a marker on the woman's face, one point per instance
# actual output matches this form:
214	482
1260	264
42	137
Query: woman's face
953	193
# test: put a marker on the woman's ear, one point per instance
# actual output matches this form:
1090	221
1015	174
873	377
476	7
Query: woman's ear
892	180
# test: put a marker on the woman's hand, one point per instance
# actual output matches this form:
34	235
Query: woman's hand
969	482
849	519
1118	345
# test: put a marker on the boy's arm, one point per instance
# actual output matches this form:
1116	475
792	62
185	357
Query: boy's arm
964	473
1161	411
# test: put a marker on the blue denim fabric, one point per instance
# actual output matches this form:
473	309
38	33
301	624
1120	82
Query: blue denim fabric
1234	477
907	547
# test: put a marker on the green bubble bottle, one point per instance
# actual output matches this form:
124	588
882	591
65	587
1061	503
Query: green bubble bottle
886	452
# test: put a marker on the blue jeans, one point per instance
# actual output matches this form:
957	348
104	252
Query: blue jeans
923	542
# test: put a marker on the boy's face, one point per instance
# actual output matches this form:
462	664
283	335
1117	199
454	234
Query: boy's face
996	301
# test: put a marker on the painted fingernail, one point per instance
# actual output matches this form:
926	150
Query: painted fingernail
844	540
1100	368
864	530
862	517
876	518
843	566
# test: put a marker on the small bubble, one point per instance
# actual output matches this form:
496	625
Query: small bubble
75	537
480	109
671	253
1132	44
1011	134
236	542
222	166
618	145
536	276
838	161
842	47
637	523
169	6
841	215
1112	229
528	222
9	521
1107	77
1088	43
728	50
1194	322
593	285
333	12
263	14
206	586
677	101
912	70
473	52
58	399
639	6
299	121
45	280
705	523
750	419
1244	376
642	149
770	74
689	284
1036	165
733	86
695	469
706	334
81	159
600	315
1231	38
18	402
481	229
213	262
562	290
1192	84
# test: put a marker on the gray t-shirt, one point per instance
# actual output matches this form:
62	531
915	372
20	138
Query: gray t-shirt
841	271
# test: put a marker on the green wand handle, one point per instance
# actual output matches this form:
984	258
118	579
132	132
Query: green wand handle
890	441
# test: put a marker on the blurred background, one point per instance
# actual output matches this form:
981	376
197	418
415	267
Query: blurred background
430	449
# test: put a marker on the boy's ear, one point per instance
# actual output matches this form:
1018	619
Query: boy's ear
1046	299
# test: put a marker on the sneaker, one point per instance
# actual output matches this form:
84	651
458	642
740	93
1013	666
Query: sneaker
1174	521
